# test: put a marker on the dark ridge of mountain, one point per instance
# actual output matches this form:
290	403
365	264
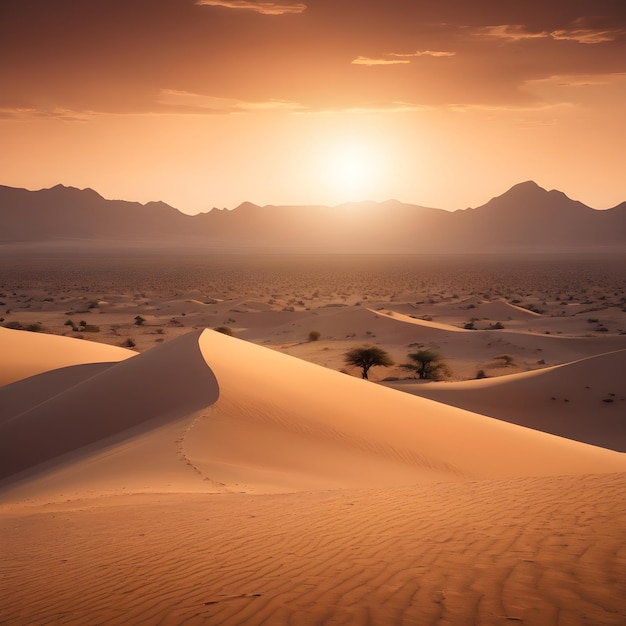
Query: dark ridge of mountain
525	218
529	216
66	212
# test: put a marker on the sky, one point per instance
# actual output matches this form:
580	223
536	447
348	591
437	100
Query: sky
204	103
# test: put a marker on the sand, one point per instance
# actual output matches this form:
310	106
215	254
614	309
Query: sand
209	479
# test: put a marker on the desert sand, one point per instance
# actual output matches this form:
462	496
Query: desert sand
199	478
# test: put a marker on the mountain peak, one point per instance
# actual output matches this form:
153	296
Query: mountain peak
246	206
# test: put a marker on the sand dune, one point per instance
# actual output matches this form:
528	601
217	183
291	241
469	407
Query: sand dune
419	322
584	400
280	424
528	550
27	354
169	381
391	508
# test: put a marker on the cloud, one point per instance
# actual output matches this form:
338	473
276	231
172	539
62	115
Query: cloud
398	58
265	8
424	53
588	36
57	113
574	32
511	32
370	61
187	102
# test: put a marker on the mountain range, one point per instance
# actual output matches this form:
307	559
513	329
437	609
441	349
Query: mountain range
525	218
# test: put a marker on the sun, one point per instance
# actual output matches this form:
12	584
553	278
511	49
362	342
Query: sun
352	170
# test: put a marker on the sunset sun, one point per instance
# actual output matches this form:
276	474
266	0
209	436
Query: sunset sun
352	170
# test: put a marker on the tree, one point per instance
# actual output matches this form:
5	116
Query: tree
366	357
427	364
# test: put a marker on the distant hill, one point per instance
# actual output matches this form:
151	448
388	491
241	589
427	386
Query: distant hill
525	218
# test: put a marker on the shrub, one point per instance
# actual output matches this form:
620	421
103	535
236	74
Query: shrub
139	320
314	335
367	357
129	343
225	330
427	364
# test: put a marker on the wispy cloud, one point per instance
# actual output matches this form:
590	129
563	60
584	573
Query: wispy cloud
57	113
265	8
184	101
424	53
371	61
399	58
583	35
511	32
575	32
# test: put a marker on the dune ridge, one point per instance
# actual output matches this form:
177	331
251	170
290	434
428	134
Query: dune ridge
170	381
280	424
34	353
233	484
582	400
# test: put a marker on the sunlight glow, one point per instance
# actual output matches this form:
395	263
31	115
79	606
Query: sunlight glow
352	170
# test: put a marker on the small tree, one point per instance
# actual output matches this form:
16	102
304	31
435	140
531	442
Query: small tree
366	357
225	330
427	364
139	320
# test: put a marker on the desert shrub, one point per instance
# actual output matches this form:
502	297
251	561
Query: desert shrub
469	326
314	335
367	357
481	374
71	323
139	320
225	330
506	359
34	328
15	325
129	343
497	326
427	364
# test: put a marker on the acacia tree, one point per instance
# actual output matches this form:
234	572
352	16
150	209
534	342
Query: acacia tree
427	364
366	357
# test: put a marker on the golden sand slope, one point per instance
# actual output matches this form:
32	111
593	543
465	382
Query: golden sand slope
26	354
151	386
280	424
472	520
528	550
584	400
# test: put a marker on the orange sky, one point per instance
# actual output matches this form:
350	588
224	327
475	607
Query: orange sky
204	103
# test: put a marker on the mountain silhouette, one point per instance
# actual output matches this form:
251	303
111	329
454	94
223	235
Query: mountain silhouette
525	218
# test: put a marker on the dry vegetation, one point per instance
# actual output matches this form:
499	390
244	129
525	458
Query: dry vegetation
278	300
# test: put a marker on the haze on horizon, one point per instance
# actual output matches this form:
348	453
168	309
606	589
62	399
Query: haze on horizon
204	103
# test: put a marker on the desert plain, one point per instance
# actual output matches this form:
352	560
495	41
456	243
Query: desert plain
155	471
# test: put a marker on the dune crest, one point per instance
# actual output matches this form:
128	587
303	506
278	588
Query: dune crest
582	400
33	353
168	382
280	425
